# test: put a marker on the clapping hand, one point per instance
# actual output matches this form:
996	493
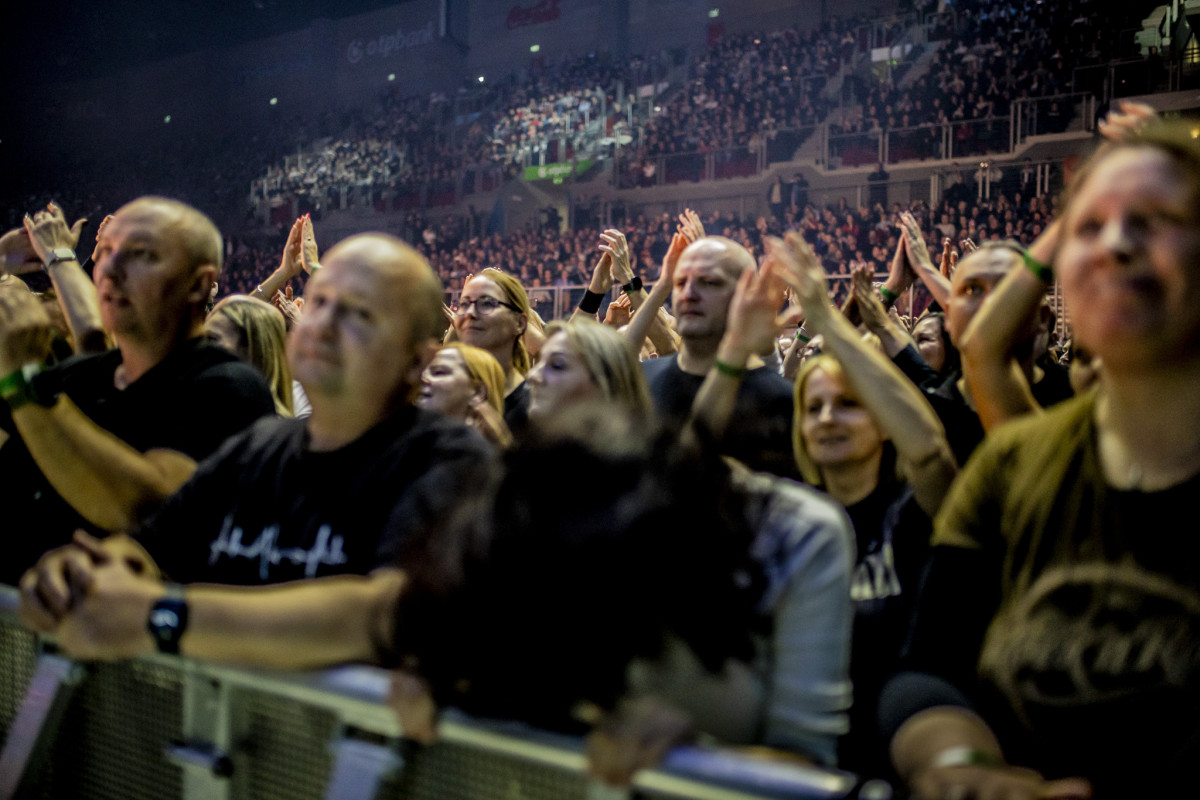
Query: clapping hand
690	226
613	243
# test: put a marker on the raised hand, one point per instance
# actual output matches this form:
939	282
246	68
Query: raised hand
293	259
949	258
309	255
100	232
800	269
17	255
602	279
679	243
1124	121
290	308
690	226
619	311
753	314
612	242
870	308
914	242
48	231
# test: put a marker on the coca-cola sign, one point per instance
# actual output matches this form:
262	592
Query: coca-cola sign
543	11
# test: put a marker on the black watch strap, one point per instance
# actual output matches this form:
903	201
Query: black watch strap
168	620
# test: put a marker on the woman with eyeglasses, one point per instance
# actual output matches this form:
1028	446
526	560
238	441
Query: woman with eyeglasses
492	314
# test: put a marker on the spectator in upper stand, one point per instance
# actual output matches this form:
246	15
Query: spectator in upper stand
777	198
100	441
703	284
877	193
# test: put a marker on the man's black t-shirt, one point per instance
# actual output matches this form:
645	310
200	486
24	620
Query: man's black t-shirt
760	430
266	509
191	401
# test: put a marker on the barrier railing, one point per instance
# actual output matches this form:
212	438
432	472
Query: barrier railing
162	727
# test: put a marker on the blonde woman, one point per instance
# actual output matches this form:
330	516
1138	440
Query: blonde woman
254	331
493	313
584	360
466	383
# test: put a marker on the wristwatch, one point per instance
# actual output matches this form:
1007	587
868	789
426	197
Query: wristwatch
59	254
168	620
17	389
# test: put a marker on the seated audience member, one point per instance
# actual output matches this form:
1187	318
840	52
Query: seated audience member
98	441
703	281
681	598
1054	647
254	331
335	493
466	383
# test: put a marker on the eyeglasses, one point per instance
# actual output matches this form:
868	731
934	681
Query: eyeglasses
484	306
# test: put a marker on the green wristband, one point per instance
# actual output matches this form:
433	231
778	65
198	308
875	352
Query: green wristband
1043	272
729	370
802	335
16	388
888	295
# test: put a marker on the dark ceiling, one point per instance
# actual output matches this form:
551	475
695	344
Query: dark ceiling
57	40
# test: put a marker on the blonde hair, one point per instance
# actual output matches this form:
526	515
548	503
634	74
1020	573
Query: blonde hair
484	369
809	470
262	338
610	360
515	293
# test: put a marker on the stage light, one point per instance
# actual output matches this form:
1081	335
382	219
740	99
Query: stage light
481	79
166	119
391	76
713	13
274	101
535	48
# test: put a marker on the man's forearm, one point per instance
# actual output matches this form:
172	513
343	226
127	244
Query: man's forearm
297	625
110	483
643	318
80	305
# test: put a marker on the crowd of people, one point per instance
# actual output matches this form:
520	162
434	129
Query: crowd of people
380	154
912	548
754	91
547	259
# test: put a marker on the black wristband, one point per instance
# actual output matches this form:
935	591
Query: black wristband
634	285
168	620
590	303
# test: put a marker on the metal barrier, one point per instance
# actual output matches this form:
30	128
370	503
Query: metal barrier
165	727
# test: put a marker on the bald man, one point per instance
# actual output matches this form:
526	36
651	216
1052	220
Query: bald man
759	432
358	488
98	441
